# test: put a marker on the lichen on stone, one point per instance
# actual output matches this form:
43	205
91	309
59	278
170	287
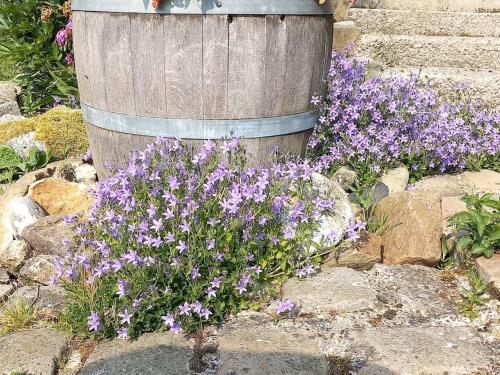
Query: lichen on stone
61	129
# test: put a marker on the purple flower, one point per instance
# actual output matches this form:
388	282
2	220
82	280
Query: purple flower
169	320
210	244
181	247
62	36
122	333
70	219
195	273
69	58
205	313
122	288
93	321
176	328
185	309
285	306
125	317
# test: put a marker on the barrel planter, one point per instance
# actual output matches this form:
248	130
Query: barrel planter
197	70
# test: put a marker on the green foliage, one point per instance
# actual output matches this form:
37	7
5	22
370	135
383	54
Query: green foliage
363	196
481	224
61	129
472	297
28	41
18	315
12	166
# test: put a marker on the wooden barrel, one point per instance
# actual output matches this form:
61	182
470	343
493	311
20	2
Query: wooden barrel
198	70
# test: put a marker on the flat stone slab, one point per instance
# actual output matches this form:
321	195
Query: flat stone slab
33	352
489	269
151	354
333	290
264	351
420	350
51	297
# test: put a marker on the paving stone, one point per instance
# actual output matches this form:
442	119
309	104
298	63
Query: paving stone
51	297
264	351
336	289
34	351
420	350
151	354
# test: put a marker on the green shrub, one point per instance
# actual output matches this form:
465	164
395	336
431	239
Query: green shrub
61	129
28	30
13	166
179	239
481	224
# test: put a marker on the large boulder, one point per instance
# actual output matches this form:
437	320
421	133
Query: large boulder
47	234
484	181
20	213
444	185
60	197
40	268
14	255
415	227
86	174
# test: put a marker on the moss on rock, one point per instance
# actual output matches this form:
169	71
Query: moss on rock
61	129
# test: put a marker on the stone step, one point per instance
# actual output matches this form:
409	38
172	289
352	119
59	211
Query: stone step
481	84
411	22
432	51
482	6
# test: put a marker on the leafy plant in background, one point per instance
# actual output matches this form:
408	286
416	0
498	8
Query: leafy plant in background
36	37
181	238
13	166
480	225
374	124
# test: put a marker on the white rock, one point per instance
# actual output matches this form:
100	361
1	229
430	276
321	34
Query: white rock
396	179
24	143
8	117
40	268
345	177
14	255
20	213
86	174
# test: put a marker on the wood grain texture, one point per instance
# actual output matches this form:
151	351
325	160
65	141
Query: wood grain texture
120	95
318	24
215	62
275	102
81	56
246	67
148	64
96	58
184	66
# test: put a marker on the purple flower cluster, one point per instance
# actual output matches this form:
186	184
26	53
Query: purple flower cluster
63	37
181	236
372	124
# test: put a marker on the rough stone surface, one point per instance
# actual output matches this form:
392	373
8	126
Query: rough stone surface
489	269
86	174
345	34
10	108
345	177
330	291
151	354
7	118
415	227
484	181
433	5
445	185
451	206
5	290
14	255
34	351
419	350
59	197
4	276
43	297
20	213
25	142
342	215
362	257
47	234
40	268
396	179
262	350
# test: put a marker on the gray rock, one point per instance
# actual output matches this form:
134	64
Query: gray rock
489	269
331	290
34	351
23	143
51	297
10	108
362	256
21	212
263	350
7	118
86	174
4	276
46	236
419	350
342	215
40	268
14	255
345	177
151	354
396	179
5	290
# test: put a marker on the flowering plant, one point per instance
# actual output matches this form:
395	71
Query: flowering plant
179	238
373	124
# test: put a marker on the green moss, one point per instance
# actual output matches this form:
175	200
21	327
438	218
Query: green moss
61	129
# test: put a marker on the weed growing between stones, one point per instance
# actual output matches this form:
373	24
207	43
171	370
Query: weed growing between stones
375	124
181	238
18	315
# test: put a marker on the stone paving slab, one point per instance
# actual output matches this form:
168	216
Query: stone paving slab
420	350
151	354
36	351
265	351
333	290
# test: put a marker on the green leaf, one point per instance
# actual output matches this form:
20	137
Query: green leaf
8	157
464	243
